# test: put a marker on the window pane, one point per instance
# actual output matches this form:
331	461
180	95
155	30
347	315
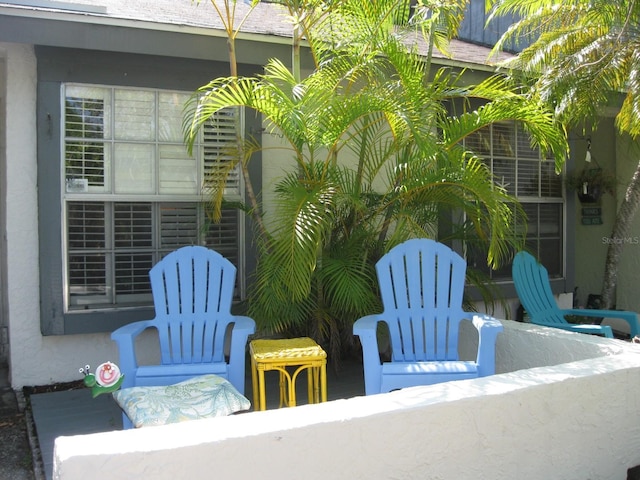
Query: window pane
504	172
544	237
85	166
531	210
551	257
132	225
223	236
504	140
171	105
479	142
550	220
86	126
220	149
135	115
85	225
550	182
524	145
87	278
132	273
134	168
84	117
528	178
87	112
178	225
178	171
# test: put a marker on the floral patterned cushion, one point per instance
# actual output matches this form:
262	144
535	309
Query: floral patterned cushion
199	397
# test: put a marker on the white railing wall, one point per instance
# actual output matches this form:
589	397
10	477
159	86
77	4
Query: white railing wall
562	405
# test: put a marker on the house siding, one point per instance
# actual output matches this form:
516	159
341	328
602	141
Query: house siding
474	27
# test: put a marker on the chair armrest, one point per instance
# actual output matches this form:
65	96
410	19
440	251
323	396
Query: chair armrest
603	330
488	330
630	317
482	322
242	327
366	324
244	324
366	329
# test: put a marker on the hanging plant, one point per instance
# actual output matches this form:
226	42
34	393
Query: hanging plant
591	183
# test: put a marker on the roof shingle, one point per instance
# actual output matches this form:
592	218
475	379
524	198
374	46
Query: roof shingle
267	19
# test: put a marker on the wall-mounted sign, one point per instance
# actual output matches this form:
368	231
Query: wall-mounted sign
591	216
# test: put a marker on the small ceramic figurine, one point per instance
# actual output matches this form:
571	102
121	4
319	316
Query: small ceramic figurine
106	379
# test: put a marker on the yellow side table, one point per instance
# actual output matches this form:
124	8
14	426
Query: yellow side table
303	353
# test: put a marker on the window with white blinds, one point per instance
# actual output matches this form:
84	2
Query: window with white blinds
132	193
506	149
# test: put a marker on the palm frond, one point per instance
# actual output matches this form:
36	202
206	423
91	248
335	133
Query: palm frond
584	53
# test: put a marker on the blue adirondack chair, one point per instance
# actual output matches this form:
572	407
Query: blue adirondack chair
532	284
422	285
192	292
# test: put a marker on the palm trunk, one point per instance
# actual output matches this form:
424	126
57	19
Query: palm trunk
621	228
256	212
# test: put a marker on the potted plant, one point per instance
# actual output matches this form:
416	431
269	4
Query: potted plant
590	183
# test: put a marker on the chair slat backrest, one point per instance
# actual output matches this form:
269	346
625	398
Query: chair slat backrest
192	293
531	280
422	287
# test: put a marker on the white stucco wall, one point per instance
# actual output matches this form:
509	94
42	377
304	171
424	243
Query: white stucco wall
34	359
577	420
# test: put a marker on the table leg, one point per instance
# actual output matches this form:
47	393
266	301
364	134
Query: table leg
254	384
283	390
263	397
311	381
323	381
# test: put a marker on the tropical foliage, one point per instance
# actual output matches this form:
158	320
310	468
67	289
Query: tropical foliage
374	136
584	56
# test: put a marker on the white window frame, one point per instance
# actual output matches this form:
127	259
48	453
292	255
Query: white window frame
518	156
144	186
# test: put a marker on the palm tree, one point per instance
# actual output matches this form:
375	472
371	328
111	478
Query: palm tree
584	56
376	159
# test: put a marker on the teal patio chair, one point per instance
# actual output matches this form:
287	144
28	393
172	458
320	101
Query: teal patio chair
422	286
192	292
534	290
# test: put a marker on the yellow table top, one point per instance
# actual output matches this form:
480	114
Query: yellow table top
274	350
